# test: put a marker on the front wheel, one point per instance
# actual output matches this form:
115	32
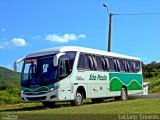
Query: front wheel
79	99
124	95
48	104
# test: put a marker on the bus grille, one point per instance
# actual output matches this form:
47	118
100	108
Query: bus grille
36	93
36	98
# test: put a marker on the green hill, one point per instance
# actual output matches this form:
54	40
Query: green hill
8	78
9	86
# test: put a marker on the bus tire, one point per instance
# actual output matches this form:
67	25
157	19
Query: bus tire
79	99
124	95
48	104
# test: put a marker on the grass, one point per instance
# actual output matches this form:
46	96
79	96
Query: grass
112	108
135	106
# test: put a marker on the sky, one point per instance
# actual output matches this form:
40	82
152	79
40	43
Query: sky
30	25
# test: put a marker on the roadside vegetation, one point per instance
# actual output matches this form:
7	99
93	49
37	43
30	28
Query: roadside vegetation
151	73
9	86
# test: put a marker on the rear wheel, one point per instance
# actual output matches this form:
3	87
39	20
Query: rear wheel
124	95
48	104
79	99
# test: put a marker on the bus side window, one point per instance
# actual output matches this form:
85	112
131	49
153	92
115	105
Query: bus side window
89	62
106	64
137	66
64	67
133	66
112	64
71	57
94	62
129	64
81	62
117	65
122	66
66	63
99	63
126	65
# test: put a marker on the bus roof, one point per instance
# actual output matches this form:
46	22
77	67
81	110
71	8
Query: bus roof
55	50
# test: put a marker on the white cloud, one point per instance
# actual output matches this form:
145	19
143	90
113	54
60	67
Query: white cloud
64	38
3	30
18	42
15	42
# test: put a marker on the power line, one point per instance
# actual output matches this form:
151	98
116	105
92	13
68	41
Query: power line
138	14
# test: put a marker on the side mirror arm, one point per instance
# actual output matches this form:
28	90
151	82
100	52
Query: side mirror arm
56	58
15	64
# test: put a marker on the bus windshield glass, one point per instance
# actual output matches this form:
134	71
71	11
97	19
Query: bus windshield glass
39	72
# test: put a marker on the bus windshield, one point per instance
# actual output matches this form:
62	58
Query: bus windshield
39	72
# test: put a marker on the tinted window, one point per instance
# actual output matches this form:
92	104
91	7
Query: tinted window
99	63
39	71
137	66
94	62
66	64
48	71
122	66
130	67
117	65
106	64
81	62
89	62
134	66
71	57
85	62
63	68
126	66
112	64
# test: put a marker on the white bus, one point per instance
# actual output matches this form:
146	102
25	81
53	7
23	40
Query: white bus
75	73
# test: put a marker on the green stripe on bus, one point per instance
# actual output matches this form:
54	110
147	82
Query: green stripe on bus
37	89
131	81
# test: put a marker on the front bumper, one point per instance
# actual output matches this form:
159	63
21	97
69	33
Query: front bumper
40	96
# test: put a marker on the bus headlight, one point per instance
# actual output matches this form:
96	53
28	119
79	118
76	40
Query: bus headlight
52	89
22	92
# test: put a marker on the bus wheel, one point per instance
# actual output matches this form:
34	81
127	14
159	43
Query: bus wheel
124	95
78	100
48	104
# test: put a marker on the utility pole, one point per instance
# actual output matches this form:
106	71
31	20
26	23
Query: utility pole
110	28
109	33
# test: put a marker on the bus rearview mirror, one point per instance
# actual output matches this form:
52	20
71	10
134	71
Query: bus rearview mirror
56	58
15	64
